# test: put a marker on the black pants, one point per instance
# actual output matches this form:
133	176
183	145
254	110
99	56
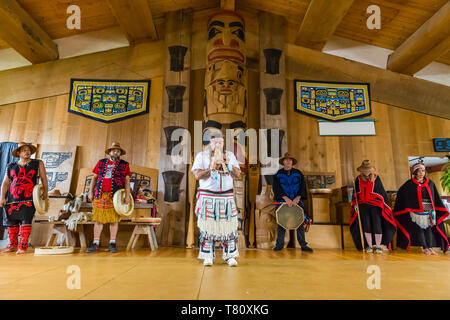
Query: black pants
13	220
424	237
370	218
300	236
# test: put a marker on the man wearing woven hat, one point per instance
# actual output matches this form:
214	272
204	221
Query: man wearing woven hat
110	175
216	211
17	195
289	186
420	213
377	220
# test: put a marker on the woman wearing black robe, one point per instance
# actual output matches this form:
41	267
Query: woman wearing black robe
420	214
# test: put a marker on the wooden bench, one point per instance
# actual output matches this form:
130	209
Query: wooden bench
146	228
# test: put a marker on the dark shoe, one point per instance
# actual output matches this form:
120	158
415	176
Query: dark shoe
307	249
112	248
93	248
277	248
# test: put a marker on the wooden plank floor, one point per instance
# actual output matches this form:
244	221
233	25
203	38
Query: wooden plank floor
175	273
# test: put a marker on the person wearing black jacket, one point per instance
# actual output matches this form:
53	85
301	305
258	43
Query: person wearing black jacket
289	186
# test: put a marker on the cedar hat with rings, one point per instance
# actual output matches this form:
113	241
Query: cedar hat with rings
288	156
16	151
115	145
365	166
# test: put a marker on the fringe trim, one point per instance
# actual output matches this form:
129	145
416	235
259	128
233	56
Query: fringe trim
103	210
218	230
424	220
105	215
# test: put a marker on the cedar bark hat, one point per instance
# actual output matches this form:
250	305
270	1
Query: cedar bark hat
288	156
16	151
365	166
116	145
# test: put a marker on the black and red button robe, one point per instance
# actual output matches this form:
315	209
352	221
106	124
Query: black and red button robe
373	194
409	199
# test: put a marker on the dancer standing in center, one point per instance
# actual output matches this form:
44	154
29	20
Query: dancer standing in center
216	210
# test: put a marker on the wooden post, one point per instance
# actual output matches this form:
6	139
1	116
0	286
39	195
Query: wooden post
272	84
175	112
190	232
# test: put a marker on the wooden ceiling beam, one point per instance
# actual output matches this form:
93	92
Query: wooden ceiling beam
321	20
23	34
425	45
135	18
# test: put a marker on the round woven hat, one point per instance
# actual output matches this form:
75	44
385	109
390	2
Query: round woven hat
16	151
116	145
40	205
119	204
288	156
365	166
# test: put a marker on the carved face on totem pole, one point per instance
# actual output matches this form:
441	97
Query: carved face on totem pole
226	38
225	79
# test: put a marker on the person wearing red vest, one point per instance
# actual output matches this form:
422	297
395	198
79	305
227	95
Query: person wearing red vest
110	175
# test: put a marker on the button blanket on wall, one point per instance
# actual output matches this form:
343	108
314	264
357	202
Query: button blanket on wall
331	100
109	100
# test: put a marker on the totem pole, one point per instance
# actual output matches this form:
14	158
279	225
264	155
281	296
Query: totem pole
226	94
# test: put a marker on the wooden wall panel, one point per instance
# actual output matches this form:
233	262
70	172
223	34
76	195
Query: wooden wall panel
399	133
46	121
378	149
313	152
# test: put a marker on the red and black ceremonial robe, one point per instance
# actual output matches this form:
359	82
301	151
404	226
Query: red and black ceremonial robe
372	193
409	199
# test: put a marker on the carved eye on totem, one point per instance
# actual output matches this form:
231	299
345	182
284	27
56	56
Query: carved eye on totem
213	32
239	33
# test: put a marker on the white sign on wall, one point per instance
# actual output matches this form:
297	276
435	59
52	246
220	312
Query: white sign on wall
353	127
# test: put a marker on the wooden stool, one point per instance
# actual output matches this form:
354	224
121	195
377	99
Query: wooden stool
146	229
61	235
80	230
